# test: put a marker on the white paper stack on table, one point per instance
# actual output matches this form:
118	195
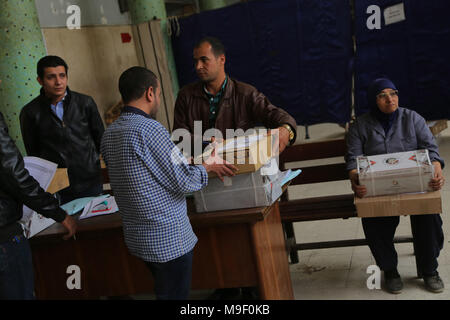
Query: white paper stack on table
99	206
43	171
46	173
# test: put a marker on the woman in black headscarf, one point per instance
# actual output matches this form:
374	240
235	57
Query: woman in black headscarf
388	128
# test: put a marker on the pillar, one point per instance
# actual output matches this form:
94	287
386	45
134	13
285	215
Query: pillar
145	10
211	4
21	47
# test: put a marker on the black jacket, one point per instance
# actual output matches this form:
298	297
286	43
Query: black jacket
17	188
73	143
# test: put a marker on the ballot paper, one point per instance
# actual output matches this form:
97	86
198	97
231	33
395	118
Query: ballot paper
289	175
43	171
77	205
99	206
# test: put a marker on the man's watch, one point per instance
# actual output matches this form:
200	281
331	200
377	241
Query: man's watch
291	132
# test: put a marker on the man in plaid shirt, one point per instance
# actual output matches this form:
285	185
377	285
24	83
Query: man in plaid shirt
150	178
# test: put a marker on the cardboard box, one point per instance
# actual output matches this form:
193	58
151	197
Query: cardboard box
399	204
60	181
248	190
247	153
395	173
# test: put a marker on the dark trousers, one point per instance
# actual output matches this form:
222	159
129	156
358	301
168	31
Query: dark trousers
67	195
428	240
173	278
16	270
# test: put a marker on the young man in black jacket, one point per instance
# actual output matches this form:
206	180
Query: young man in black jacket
64	127
17	188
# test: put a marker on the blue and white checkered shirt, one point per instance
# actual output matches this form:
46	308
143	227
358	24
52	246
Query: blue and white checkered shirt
149	177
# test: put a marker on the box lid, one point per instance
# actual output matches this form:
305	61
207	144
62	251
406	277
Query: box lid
247	153
394	163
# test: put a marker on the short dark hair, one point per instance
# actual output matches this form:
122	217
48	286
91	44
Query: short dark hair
52	62
216	45
134	82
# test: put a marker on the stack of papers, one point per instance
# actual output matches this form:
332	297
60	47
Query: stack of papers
77	205
99	206
43	171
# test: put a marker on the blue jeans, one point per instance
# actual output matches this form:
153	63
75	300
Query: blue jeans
16	270
173	278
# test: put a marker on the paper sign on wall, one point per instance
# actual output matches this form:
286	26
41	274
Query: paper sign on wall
394	14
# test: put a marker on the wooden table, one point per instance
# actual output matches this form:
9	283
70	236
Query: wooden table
236	248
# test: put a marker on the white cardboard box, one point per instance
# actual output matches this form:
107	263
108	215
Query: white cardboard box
249	190
395	173
247	153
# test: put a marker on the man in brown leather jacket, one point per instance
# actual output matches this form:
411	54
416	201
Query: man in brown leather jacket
224	103
220	102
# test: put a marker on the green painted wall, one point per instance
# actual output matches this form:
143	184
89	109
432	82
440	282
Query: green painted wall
22	46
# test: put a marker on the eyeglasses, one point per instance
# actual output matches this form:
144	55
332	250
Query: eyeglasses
384	95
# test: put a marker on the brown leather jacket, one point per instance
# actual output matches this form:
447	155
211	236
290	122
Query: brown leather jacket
241	107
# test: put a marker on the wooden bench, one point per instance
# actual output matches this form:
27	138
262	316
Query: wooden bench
322	207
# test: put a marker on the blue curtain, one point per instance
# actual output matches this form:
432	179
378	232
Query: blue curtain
297	52
414	53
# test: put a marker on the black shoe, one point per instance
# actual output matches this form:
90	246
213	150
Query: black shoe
393	281
434	283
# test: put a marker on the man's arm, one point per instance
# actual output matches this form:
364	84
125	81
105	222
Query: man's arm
19	185
29	134
171	168
273	117
180	113
181	122
95	123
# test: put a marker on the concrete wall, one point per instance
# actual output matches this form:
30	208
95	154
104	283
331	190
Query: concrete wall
52	13
96	57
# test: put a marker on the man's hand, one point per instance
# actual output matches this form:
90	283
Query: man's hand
284	138
281	135
219	166
71	225
358	189
438	180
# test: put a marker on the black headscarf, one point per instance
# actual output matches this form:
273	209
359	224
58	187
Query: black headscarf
386	119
